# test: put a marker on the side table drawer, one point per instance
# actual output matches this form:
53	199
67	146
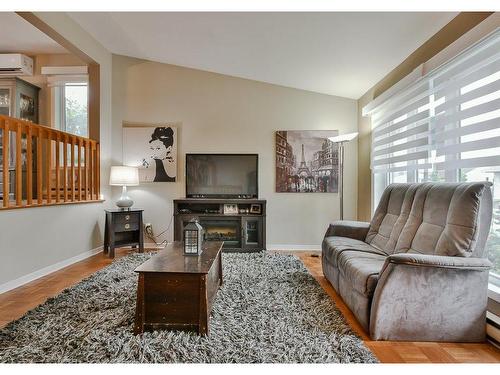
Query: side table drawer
126	227
126	218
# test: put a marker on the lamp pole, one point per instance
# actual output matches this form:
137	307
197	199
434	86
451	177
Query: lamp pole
341	178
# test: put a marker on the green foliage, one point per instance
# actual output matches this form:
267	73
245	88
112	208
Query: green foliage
76	117
435	177
463	176
493	244
494	251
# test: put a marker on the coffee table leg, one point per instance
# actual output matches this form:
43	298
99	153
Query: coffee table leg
203	317
220	268
106	237
139	309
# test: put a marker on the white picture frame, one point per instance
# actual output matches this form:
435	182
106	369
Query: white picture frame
230	209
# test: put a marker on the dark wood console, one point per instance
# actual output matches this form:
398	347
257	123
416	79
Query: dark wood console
240	223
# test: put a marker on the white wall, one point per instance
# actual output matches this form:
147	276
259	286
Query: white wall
226	114
35	238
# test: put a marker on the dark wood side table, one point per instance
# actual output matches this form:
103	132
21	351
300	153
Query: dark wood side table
123	228
177	291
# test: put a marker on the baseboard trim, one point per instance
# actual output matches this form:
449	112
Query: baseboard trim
291	247
16	283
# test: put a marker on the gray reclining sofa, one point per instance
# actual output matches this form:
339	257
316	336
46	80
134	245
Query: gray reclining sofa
417	271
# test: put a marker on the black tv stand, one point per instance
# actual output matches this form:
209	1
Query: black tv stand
243	228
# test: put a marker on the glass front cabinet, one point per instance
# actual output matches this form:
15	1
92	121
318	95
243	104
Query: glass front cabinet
18	99
252	232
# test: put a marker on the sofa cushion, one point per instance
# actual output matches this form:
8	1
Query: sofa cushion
391	216
361	269
334	245
437	224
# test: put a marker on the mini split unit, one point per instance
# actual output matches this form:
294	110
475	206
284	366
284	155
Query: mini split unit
15	64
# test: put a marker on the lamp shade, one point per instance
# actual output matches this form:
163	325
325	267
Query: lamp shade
124	176
343	137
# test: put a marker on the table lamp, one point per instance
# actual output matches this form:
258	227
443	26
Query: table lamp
341	140
124	176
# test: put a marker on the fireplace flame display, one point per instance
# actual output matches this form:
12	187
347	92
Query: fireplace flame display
222	233
222	230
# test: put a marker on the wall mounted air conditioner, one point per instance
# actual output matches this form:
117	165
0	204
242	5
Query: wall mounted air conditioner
15	64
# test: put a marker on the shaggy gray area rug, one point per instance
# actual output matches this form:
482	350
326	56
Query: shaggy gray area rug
269	309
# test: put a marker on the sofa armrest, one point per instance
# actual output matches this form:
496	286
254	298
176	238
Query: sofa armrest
425	260
345	228
422	297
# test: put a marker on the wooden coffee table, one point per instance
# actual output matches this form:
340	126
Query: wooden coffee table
176	291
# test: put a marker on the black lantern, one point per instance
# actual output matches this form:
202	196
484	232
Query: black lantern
193	238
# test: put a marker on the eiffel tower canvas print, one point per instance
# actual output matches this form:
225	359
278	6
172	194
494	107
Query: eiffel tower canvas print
306	161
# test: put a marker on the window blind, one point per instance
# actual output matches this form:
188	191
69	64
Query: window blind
449	119
401	129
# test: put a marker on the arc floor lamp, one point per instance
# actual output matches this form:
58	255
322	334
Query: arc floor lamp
341	140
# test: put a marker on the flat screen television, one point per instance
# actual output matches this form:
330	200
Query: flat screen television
221	176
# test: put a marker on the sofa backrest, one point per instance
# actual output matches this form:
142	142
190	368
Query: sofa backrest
390	217
451	219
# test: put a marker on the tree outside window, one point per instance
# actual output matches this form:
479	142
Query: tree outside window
75	114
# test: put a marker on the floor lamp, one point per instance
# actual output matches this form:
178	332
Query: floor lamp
342	140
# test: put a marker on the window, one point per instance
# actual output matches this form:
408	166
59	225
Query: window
70	102
445	127
75	109
71	113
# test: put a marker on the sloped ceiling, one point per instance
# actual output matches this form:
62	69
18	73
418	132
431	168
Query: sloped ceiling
335	53
19	36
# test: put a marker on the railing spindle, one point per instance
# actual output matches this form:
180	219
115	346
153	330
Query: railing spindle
5	163
79	169
72	179
65	168
98	171
94	175
29	167
86	174
39	167
19	166
58	169
91	168
49	168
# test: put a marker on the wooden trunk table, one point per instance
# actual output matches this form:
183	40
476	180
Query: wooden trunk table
176	291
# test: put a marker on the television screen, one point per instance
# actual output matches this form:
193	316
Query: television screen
221	175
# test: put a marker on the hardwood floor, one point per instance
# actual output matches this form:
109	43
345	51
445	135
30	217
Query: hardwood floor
17	302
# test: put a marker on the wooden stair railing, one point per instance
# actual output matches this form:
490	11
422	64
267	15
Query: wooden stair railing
43	166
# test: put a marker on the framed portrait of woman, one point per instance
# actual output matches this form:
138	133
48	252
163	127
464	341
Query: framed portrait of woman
153	149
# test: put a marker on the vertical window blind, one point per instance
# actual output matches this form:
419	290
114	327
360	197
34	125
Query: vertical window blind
445	126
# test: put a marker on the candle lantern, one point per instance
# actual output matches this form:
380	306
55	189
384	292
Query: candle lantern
193	238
